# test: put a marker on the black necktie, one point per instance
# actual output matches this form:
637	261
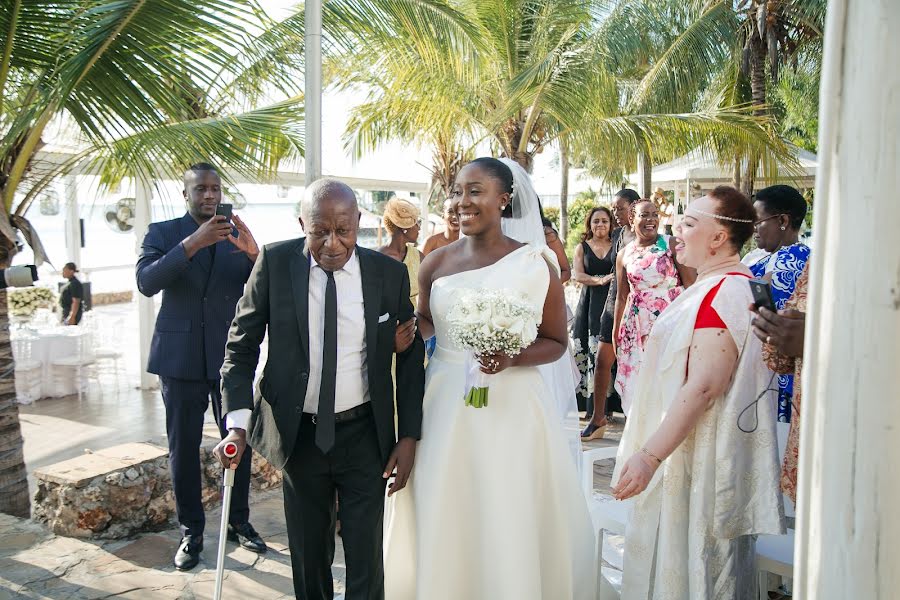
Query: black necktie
325	416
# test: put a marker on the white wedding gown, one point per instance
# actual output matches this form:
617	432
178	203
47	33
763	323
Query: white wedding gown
493	510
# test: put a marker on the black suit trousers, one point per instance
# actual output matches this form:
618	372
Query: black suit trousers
186	403
352	469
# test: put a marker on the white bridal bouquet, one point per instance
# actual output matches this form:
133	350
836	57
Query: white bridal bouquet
23	302
490	322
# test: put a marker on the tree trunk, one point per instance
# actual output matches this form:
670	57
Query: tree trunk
645	172
736	174
525	159
758	95
564	190
848	526
14	497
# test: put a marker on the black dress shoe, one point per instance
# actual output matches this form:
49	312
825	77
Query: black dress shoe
188	554
247	536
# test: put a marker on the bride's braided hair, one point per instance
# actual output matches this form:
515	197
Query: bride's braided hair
501	172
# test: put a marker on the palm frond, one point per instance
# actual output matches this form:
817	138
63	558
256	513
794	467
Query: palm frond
688	63
251	144
671	135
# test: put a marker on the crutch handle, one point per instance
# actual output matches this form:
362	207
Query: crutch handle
230	450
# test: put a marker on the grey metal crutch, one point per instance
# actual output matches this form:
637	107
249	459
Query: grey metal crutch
230	451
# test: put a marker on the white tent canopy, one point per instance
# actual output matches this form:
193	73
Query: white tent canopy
698	172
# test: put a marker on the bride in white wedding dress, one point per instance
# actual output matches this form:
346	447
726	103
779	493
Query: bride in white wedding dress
493	510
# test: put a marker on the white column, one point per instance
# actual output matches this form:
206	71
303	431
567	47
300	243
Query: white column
848	527
313	88
73	224
146	307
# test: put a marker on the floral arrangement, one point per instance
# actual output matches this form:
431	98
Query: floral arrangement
490	322
23	302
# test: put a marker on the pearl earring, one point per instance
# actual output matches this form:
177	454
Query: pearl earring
783	227
404	231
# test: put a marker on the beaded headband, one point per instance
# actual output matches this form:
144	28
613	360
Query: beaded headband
722	217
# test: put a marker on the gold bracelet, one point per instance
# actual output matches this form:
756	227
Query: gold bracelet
651	455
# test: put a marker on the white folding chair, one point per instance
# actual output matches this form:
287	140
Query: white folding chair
775	553
105	349
29	370
607	515
65	367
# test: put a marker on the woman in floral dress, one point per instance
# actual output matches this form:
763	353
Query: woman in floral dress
648	280
780	210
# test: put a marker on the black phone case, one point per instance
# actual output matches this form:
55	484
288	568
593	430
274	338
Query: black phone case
762	294
224	210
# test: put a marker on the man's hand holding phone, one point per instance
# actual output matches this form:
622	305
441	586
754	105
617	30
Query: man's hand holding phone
225	210
211	232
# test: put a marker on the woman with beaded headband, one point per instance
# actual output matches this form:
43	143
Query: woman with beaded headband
698	457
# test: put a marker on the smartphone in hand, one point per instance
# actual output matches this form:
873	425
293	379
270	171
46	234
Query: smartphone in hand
224	210
762	294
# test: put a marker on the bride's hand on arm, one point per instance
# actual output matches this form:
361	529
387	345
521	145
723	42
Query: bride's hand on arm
711	364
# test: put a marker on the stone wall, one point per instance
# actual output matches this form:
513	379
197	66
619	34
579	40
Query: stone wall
102	298
124	490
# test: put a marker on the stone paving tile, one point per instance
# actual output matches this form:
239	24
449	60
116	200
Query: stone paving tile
36	564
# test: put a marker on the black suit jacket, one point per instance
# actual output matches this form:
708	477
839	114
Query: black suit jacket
276	298
199	296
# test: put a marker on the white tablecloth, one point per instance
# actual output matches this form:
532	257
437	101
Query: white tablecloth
48	345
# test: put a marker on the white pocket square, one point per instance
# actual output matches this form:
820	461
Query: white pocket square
384	317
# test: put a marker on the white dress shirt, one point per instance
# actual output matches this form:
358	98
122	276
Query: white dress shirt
352	385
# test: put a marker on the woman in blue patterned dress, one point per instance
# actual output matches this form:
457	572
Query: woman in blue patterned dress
780	210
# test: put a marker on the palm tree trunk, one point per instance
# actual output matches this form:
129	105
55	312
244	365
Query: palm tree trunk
525	159
564	190
14	498
736	174
758	95
645	172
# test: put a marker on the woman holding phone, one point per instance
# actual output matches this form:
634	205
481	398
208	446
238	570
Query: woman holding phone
780	210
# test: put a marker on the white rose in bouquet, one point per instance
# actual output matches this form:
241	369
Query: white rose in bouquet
485	321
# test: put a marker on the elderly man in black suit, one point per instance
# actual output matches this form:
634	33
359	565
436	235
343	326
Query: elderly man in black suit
326	412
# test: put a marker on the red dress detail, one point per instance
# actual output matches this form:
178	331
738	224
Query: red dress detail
707	317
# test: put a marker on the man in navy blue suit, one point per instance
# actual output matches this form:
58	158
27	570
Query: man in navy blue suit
201	266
